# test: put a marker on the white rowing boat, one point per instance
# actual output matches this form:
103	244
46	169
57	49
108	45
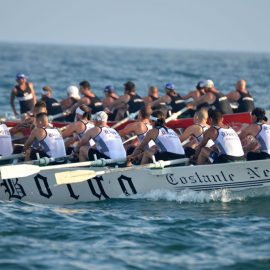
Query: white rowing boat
104	183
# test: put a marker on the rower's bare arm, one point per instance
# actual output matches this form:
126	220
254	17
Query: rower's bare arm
12	104
91	133
186	134
30	139
207	98
128	129
250	130
189	95
159	101
33	92
68	132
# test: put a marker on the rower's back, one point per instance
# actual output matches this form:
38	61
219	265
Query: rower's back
5	140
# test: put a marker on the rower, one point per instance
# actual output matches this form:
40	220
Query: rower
172	99
139	128
5	142
25	93
45	140
242	96
129	102
79	128
227	142
52	105
152	95
214	98
89	98
195	132
168	145
260	130
70	103
197	93
110	97
108	142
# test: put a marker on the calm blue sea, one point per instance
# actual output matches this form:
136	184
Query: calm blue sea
159	230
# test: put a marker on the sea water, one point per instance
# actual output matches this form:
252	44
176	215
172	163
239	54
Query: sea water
157	230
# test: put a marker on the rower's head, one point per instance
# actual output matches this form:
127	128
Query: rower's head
40	107
199	87
201	116
42	120
130	88
46	91
145	112
85	87
241	85
73	92
21	78
153	91
109	91
81	110
101	118
158	119
258	115
215	117
170	89
208	85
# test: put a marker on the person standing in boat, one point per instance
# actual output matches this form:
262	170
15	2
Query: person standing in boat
171	101
89	98
168	144
227	142
194	133
52	105
108	142
130	102
25	93
213	98
44	140
242	96
71	102
260	130
110	98
139	128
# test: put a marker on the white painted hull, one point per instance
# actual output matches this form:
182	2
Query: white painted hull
41	188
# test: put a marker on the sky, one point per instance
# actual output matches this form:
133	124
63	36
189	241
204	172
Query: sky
226	25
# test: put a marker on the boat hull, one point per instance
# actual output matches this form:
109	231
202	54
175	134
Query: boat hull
41	188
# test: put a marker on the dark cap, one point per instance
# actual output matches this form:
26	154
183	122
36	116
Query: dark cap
85	84
109	89
199	85
259	113
21	76
129	85
170	86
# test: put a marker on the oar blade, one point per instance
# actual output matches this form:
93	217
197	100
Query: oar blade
18	171
71	177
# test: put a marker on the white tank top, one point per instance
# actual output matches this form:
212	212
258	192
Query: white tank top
228	142
109	143
87	127
263	138
5	141
200	138
53	144
141	136
168	141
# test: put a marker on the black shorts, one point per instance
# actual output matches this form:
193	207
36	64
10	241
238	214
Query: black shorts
257	156
227	159
34	152
168	156
93	152
189	152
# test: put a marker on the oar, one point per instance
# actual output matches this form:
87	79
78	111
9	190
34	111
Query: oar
71	177
175	115
59	115
131	116
24	170
14	156
130	139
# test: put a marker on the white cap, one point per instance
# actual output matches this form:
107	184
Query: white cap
73	91
208	84
101	116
